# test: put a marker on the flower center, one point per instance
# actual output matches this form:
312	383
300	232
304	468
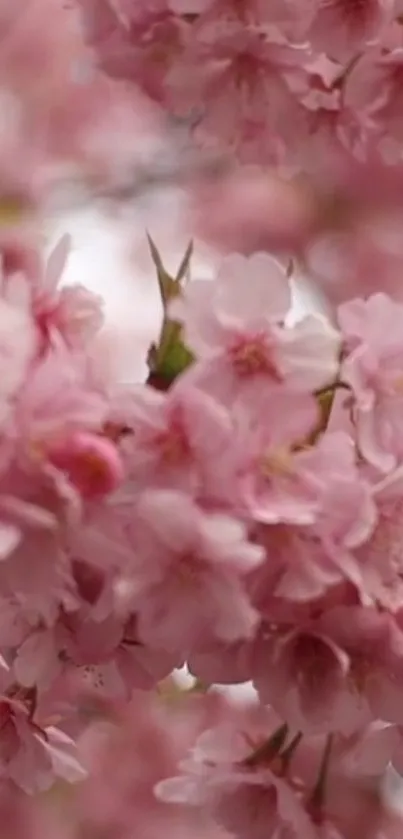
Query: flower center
276	463
173	447
251	356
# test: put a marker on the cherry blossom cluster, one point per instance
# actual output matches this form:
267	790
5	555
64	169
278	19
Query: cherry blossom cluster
306	94
240	512
242	516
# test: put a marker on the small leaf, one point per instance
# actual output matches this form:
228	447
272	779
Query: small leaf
176	360
183	269
168	285
170	357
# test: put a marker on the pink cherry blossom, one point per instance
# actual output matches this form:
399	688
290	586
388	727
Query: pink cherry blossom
352	655
91	462
189	575
73	311
373	642
299	569
252	66
89	659
373	87
57	400
305	675
379	556
348	513
178	439
136	41
372	370
340	29
32	755
237	771
271	483
287	481
237	330
239	519
131	752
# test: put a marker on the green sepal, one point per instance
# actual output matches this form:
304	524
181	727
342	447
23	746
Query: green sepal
170	357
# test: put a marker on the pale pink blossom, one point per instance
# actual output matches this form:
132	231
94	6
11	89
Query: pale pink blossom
235	326
35	575
288	480
378	558
71	314
56	401
341	29
272	481
245	519
140	42
348	513
304	675
73	311
129	753
253	67
373	371
373	88
298	570
373	642
91	462
32	755
183	439
234	771
36	662
190	566
333	673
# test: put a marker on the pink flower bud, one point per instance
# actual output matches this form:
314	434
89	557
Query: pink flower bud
92	463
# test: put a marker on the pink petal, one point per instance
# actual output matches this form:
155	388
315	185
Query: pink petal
252	289
10	538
